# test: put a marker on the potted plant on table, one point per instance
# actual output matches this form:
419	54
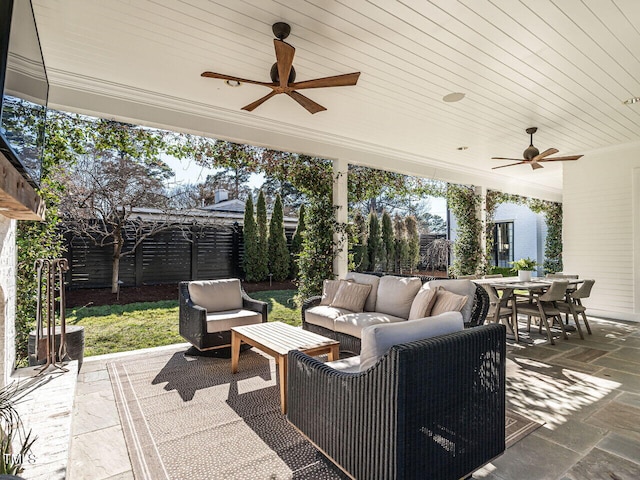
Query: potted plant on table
523	268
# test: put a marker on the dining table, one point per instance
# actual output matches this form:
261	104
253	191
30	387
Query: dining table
537	285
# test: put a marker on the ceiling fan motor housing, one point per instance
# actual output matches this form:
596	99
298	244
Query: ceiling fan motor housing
530	152
275	76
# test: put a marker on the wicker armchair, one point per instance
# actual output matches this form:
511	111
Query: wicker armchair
208	329
432	409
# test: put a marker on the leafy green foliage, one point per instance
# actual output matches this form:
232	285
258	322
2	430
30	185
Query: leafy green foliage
524	264
374	242
467	248
359	243
296	242
413	242
387	244
401	244
279	258
262	259
250	235
12	432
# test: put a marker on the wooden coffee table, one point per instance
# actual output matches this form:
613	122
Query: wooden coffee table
278	339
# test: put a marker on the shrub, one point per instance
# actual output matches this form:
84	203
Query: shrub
388	244
262	260
278	251
359	243
413	242
296	243
373	243
250	234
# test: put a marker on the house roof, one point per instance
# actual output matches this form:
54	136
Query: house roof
565	67
233	205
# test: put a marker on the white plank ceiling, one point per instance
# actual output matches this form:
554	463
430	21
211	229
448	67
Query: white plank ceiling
565	66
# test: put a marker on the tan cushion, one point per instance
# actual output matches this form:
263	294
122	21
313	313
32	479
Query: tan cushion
460	287
396	294
351	296
447	301
223	321
329	289
378	339
423	302
324	315
374	281
352	324
346	365
216	295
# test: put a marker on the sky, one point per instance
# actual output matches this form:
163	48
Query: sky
186	171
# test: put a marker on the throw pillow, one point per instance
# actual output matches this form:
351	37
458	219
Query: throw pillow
329	289
448	302
351	296
423	303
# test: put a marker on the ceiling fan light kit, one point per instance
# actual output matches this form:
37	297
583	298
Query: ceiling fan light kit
533	157
283	76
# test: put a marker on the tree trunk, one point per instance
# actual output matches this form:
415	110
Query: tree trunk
115	267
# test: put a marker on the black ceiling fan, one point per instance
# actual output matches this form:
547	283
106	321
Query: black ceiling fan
283	75
533	157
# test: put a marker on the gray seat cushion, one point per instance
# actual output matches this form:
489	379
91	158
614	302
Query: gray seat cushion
324	315
378	339
396	294
223	321
216	295
459	287
353	323
374	281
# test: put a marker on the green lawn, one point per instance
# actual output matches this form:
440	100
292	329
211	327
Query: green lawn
120	328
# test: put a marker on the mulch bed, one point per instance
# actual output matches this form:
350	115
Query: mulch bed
150	293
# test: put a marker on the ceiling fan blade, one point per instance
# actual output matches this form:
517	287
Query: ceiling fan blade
306	102
505	158
511	164
535	165
252	106
345	80
562	159
284	55
546	153
236	79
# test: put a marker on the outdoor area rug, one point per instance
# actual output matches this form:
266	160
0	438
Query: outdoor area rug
190	417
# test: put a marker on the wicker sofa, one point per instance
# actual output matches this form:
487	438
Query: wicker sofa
389	300
432	408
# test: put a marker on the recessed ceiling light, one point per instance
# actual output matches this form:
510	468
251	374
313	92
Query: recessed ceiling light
453	97
463	148
232	83
631	100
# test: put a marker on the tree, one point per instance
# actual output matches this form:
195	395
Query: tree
359	243
262	261
278	251
121	173
401	245
250	236
296	242
373	243
388	244
413	242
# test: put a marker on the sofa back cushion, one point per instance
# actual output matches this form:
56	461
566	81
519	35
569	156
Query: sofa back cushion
374	281
459	287
378	339
351	296
423	302
329	289
447	301
396	294
216	295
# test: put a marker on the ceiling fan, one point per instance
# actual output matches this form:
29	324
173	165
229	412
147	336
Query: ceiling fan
533	157
283	75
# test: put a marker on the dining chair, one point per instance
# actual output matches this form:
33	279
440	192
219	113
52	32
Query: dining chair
499	308
573	305
545	306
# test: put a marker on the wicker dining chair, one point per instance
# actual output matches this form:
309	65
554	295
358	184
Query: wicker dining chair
545	306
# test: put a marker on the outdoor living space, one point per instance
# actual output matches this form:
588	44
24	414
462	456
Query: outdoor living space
584	393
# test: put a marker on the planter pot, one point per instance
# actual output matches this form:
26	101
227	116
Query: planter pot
524	275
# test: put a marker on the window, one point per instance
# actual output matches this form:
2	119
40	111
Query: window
503	247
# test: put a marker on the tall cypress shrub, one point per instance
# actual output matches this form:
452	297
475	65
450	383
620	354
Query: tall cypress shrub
250	234
262	260
278	251
388	244
401	244
296	243
359	243
413	242
373	244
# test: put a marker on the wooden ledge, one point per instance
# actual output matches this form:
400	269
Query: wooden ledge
18	199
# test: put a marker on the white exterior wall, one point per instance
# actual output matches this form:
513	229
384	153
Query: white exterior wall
7	296
601	228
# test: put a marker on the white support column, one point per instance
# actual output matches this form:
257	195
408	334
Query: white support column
340	200
481	214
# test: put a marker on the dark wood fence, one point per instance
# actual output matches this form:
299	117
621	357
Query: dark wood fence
171	256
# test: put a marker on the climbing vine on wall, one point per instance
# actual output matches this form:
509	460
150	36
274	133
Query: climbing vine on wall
467	250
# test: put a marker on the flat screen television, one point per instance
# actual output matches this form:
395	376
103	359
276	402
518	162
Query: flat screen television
24	87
